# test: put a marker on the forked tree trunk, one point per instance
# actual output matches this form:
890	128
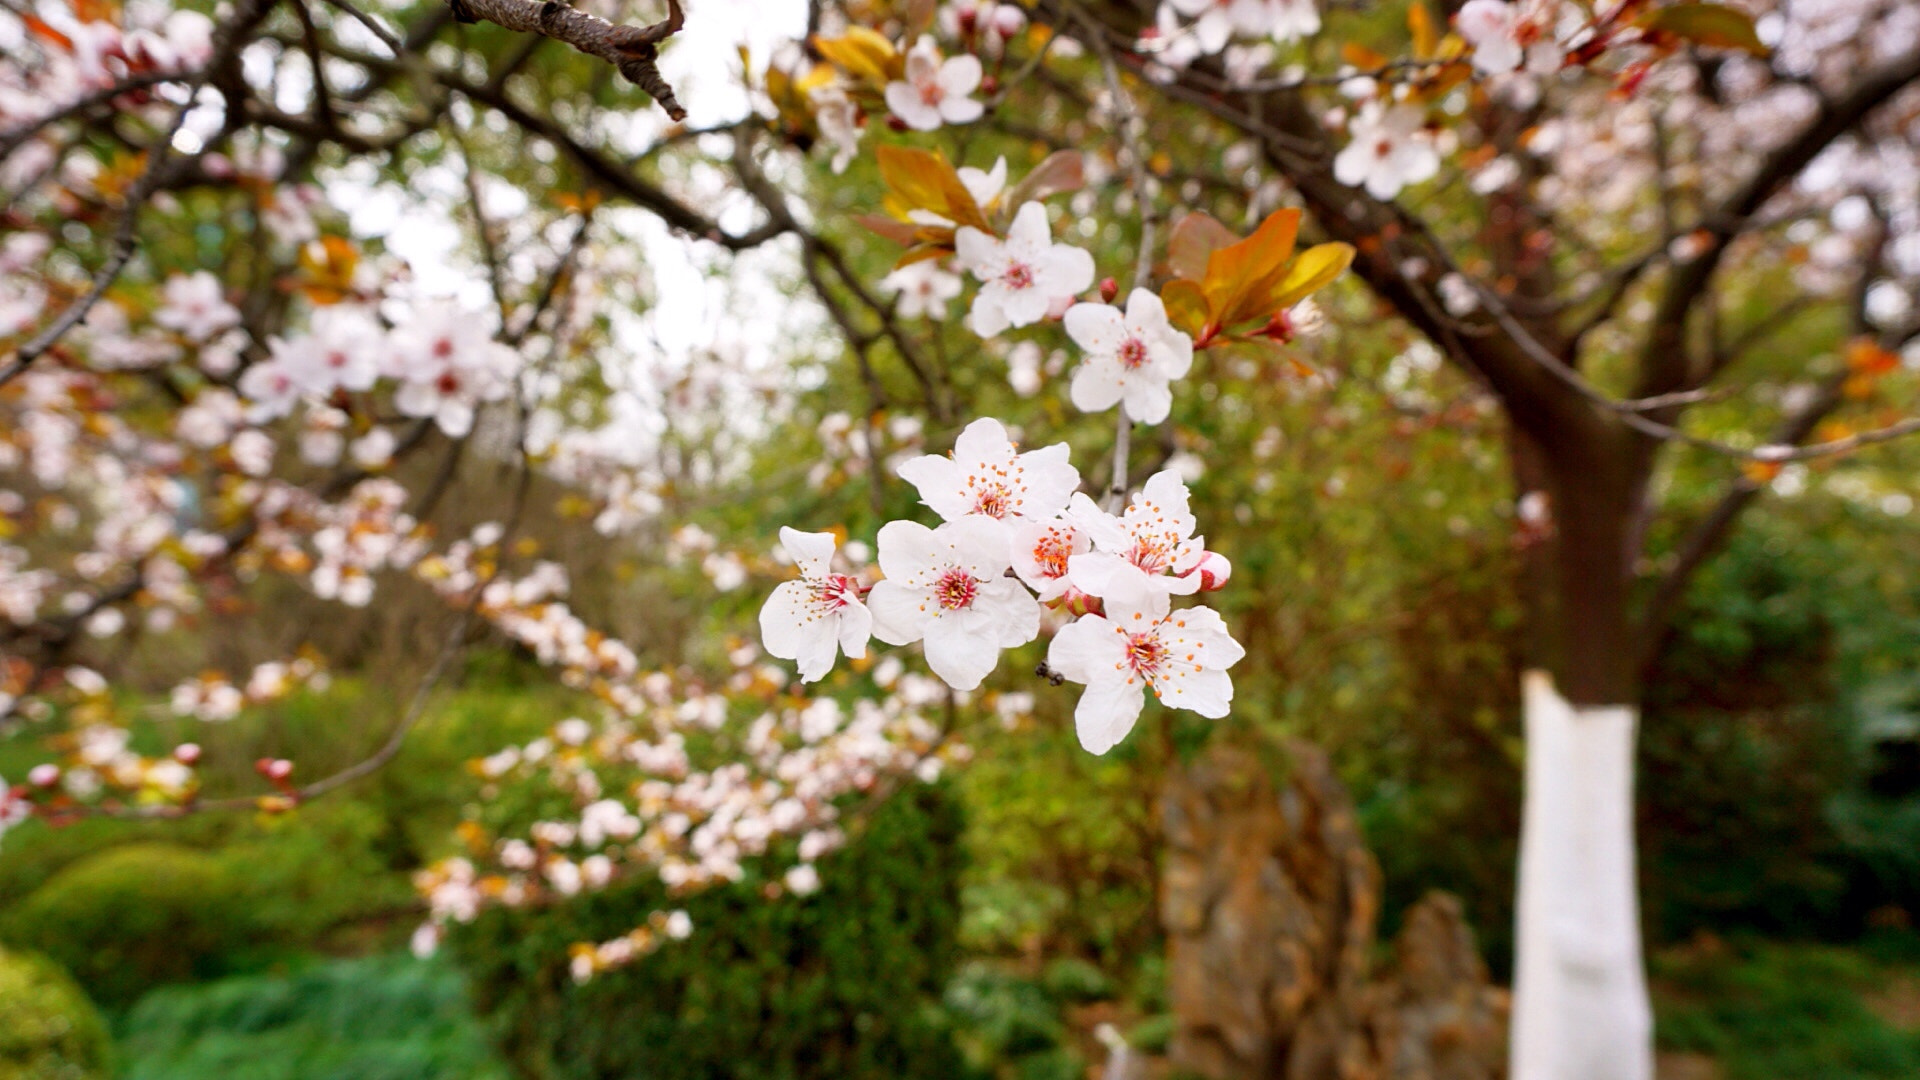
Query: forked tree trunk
1580	996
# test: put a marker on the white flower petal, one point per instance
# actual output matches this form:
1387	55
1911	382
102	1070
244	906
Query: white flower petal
900	614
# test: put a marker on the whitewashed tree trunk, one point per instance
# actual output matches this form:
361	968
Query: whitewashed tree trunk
1580	1009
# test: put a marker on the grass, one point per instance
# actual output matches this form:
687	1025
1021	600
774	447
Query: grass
1793	1011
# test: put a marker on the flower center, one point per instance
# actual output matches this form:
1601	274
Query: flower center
1018	276
1145	653
1133	353
1383	148
931	94
1052	552
1152	556
448	383
956	589
837	592
337	359
443	348
994	500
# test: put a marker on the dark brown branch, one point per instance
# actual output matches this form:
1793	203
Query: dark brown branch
1663	358
1708	535
633	50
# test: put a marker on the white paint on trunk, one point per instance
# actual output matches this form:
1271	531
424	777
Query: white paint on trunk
1580	1009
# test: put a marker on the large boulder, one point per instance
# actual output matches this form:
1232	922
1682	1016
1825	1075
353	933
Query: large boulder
1270	900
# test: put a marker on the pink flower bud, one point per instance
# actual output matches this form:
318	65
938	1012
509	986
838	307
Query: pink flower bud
1214	570
1109	289
45	775
187	753
279	769
1076	603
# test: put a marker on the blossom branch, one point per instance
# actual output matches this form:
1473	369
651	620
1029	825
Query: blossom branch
632	50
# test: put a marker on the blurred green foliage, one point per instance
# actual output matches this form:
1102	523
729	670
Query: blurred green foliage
844	983
379	1018
130	905
48	1028
1757	808
1769	1011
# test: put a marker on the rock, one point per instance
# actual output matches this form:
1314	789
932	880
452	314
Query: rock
1270	900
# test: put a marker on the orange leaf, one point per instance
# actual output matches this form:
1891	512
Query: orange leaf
327	267
1194	238
1426	36
1866	357
890	228
1315	269
1362	57
41	30
863	54
1062	171
1234	272
1186	306
923	180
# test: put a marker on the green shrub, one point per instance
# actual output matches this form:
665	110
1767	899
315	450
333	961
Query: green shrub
133	917
377	1018
841	984
48	1028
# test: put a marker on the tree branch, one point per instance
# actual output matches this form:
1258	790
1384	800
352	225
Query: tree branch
633	50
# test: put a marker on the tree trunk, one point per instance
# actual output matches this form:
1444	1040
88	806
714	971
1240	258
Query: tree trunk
1580	995
1580	1008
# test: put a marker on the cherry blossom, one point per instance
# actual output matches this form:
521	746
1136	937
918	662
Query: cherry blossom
1219	21
994	22
1022	276
948	588
345	348
924	289
1145	555
839	121
1182	654
1293	19
1042	551
449	365
272	387
1131	359
987	476
196	306
811	620
936	91
1390	149
1506	35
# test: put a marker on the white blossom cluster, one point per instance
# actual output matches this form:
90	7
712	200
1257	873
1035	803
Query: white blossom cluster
644	802
98	55
1017	535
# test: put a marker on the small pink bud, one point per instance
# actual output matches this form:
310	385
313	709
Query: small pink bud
896	123
187	753
45	775
990	85
1214	570
967	20
1076	603
279	769
1109	289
